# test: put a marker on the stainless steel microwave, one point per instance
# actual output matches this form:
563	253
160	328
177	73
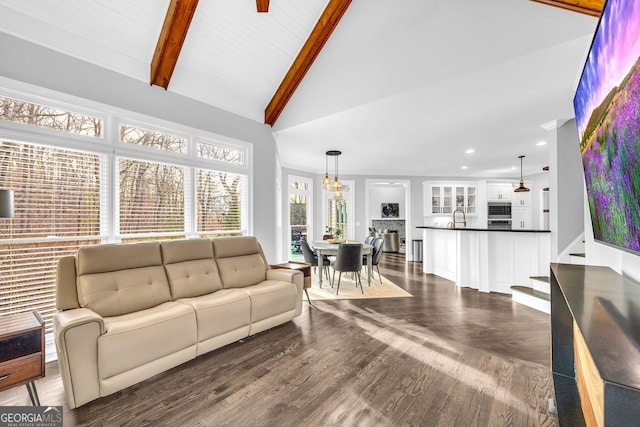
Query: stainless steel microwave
499	210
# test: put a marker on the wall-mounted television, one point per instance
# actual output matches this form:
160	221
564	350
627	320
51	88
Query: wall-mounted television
607	107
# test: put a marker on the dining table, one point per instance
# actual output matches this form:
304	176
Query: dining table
327	248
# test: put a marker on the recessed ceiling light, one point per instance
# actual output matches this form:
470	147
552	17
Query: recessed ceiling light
470	151
541	143
465	167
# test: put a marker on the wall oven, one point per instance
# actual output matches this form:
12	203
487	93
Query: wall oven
499	210
499	224
499	215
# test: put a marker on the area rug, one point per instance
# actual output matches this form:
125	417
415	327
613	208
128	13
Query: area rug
348	290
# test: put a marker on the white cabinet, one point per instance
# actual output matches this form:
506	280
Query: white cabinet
514	258
441	199
466	199
521	218
444	199
441	259
499	191
521	199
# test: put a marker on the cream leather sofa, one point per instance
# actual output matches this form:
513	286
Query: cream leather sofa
131	311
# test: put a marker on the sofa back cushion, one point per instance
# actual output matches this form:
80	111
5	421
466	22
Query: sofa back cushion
240	261
190	267
120	279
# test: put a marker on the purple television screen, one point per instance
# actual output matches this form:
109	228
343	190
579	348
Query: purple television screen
607	106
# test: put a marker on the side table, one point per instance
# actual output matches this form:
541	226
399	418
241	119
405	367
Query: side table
304	267
22	352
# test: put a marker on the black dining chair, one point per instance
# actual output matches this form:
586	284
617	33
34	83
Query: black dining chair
348	259
312	258
376	254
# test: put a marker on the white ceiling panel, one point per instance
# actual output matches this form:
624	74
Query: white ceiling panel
119	35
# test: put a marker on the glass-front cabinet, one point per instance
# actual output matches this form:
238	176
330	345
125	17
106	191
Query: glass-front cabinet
447	198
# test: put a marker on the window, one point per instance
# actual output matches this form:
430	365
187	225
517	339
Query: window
17	111
300	209
151	198
115	191
217	152
152	139
57	209
221	203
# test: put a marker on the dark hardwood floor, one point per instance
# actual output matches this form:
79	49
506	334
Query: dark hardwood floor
448	356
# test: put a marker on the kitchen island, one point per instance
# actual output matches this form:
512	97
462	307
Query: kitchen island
490	260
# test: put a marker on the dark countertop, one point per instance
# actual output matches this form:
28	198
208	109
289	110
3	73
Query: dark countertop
433	227
606	307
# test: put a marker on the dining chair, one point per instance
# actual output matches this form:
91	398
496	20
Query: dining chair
368	240
376	254
348	259
312	258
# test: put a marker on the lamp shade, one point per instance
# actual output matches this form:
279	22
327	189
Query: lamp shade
6	203
521	188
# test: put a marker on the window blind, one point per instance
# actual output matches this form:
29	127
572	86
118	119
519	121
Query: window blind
57	209
222	203
151	198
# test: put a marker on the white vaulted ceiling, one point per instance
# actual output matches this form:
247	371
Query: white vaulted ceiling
233	57
402	87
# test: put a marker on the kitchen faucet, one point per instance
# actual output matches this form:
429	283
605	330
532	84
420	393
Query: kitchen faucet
464	218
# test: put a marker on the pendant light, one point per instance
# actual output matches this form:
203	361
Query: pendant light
334	186
326	182
521	188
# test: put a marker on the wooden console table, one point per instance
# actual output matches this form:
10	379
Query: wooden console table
595	346
22	352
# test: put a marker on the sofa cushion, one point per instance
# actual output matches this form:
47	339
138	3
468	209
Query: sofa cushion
226	247
191	269
119	279
174	251
124	291
112	257
241	271
134	339
240	261
220	312
271	298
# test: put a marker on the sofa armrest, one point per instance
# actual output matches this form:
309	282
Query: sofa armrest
293	276
76	334
286	275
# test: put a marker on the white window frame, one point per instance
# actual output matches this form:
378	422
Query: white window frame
309	197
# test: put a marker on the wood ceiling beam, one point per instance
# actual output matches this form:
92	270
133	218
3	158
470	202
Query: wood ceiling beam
310	50
588	7
174	30
263	6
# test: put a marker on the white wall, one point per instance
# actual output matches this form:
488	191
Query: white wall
379	194
569	185
537	182
35	65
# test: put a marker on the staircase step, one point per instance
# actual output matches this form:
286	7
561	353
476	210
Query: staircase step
545	279
530	297
532	292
